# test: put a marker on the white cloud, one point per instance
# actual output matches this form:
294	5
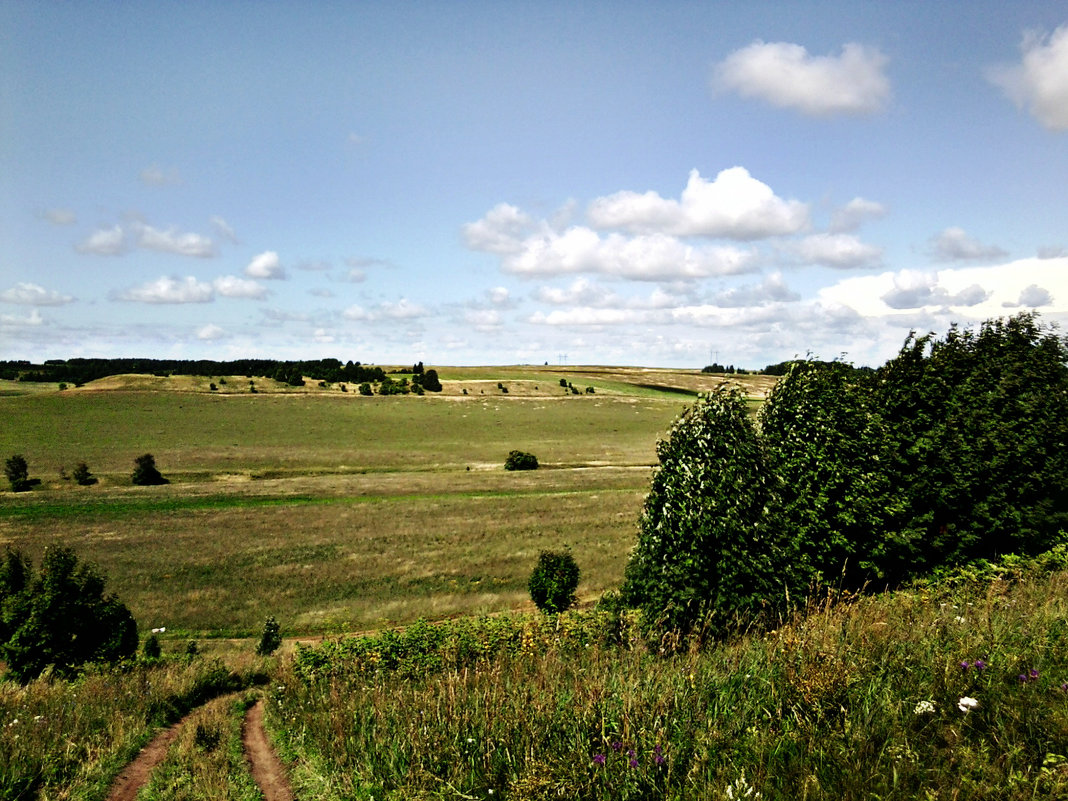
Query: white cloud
1034	297
841	251
210	332
585	316
772	290
854	213
954	292
785	75
501	231
265	265
582	292
60	216
104	242
14	321
403	309
483	319
170	241
28	294
499	296
734	205
156	175
232	286
1039	83
953	244
915	290
171	290
223	228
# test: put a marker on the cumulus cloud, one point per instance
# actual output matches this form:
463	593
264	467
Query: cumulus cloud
155	175
582	292
787	76
483	320
104	242
265	265
1034	297
28	294
499	296
953	244
501	231
171	241
14	321
59	216
854	213
841	251
232	286
914	290
210	332
1039	83
403	309
171	290
733	205
772	290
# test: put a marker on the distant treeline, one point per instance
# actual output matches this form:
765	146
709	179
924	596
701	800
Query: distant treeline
782	368
81	371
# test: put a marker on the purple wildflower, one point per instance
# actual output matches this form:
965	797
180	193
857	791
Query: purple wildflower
965	665
616	746
598	759
1064	686
634	762
1022	678
979	664
630	753
659	759
1033	674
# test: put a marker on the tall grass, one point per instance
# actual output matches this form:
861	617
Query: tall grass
853	699
68	739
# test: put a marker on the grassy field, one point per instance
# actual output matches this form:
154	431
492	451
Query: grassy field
333	511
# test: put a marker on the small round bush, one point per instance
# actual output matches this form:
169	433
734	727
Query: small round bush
553	582
518	460
151	648
145	473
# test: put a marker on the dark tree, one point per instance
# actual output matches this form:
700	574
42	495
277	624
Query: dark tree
62	619
430	382
519	460
18	473
145	472
271	638
82	475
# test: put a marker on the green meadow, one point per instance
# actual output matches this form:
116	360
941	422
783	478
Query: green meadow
333	511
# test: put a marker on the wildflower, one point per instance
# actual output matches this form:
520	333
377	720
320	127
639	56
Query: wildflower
924	708
630	753
598	759
1032	674
617	746
634	762
979	664
741	789
1064	686
965	665
958	619
967	704
659	759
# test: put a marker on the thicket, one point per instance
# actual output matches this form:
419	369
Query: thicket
553	582
145	472
521	460
955	450
18	473
59	616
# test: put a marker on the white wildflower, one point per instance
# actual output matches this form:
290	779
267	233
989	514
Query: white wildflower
967	704
924	708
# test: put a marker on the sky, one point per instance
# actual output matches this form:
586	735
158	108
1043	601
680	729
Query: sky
464	183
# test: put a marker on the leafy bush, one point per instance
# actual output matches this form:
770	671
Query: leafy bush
950	453
151	649
271	638
145	472
553	582
82	475
431	382
18	473
519	460
60	618
365	389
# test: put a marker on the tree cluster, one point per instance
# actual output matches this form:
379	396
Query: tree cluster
58	617
953	451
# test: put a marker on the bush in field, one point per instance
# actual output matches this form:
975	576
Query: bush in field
553	582
270	639
18	473
518	460
61	618
82	475
431	382
145	472
365	389
151	650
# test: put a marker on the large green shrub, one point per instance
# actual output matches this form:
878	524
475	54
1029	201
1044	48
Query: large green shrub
145	472
60	618
708	543
955	450
520	460
553	582
17	472
270	639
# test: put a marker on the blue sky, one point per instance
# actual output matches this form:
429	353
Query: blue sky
491	183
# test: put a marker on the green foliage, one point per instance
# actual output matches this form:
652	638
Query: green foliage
61	618
150	649
365	389
520	460
953	451
17	472
270	639
431	382
145	472
708	542
553	582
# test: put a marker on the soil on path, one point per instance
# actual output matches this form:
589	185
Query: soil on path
135	775
267	770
